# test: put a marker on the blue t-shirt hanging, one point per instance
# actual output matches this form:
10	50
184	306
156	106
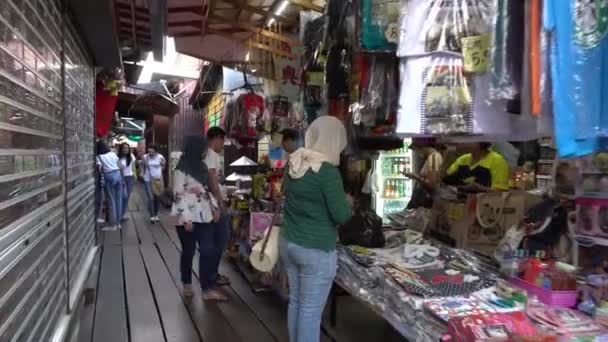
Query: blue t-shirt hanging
579	68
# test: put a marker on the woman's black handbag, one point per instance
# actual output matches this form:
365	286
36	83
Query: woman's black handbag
364	229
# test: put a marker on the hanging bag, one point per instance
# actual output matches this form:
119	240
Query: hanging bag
265	253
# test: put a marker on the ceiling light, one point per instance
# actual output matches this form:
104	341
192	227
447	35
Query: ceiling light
247	57
270	22
282	7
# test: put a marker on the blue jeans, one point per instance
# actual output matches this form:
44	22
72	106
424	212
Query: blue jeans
126	194
113	187
311	274
211	240
153	201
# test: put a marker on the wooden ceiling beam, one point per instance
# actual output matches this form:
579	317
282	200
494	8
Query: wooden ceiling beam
252	28
127	15
257	10
307	5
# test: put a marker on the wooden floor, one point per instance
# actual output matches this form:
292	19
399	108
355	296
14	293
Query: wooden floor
139	300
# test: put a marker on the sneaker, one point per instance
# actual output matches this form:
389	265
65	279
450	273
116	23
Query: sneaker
101	221
119	226
156	219
125	218
112	228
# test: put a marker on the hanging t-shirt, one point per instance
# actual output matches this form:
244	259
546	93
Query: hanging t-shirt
579	47
440	25
438	97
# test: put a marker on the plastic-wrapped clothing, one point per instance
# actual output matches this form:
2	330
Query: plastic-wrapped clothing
437	97
508	47
579	59
439	26
376	16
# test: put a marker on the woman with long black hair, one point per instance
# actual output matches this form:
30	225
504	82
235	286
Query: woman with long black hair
127	160
196	210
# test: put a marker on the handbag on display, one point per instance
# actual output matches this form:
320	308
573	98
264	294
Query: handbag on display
364	229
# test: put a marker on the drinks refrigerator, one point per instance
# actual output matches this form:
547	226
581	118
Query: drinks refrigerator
391	190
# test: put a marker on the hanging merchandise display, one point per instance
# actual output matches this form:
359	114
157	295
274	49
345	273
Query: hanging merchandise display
242	113
579	63
507	50
312	26
462	28
439	97
379	24
378	103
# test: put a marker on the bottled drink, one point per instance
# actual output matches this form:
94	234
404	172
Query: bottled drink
395	166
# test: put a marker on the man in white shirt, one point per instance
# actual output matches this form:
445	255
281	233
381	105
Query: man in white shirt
216	136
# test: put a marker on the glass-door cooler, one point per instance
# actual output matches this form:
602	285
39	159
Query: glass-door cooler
392	190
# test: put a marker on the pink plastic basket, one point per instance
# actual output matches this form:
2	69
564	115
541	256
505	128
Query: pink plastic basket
558	299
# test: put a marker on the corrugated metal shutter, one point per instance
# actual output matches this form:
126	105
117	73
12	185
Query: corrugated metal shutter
46	161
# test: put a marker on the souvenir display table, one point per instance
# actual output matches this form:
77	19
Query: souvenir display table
419	286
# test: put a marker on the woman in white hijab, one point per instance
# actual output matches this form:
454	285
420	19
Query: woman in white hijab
315	204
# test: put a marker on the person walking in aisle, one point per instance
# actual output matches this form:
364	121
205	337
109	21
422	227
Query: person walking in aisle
154	163
127	160
315	204
216	136
111	170
196	211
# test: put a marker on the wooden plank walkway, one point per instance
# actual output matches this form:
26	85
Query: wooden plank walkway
139	297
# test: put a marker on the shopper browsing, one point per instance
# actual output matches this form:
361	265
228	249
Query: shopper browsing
111	170
482	170
127	161
221	235
196	211
154	163
315	204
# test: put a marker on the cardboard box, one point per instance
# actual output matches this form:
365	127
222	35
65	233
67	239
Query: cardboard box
480	222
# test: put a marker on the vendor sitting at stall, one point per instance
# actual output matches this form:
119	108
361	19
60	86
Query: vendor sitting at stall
482	170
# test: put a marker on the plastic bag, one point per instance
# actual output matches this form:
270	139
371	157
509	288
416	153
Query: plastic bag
439	97
447	26
379	20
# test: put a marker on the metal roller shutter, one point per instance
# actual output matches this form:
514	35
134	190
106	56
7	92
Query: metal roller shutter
46	168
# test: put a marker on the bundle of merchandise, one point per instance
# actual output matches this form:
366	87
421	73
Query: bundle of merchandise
461	70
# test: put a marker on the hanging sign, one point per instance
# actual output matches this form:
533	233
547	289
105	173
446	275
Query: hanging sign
476	53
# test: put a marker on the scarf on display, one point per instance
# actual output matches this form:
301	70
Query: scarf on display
324	142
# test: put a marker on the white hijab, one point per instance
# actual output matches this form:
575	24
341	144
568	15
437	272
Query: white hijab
324	142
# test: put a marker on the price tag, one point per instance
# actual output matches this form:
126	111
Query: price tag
476	53
392	33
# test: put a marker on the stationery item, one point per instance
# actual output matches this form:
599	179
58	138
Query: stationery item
492	327
446	308
564	321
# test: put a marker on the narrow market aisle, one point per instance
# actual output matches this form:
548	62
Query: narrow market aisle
139	298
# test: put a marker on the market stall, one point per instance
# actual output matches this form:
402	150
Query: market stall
475	157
